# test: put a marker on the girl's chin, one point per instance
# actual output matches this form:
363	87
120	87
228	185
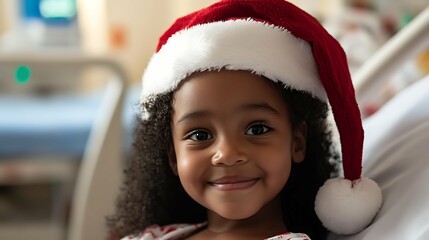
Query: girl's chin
234	215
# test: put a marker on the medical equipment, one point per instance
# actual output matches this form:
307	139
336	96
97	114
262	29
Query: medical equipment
47	24
100	117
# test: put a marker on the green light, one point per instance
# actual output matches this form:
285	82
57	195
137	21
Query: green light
58	8
22	74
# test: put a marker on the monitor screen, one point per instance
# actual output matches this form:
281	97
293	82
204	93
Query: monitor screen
49	11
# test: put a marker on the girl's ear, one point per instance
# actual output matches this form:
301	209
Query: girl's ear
172	161
299	143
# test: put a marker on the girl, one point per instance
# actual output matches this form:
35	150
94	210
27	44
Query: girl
234	143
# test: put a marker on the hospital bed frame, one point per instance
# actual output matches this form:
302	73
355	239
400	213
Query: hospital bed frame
408	42
99	175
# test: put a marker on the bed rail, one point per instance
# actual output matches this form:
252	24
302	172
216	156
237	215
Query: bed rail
402	46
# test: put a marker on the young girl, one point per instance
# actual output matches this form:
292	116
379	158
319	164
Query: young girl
234	142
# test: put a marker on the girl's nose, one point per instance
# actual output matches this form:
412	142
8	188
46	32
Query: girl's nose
229	154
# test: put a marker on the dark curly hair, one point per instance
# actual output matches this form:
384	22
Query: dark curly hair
152	194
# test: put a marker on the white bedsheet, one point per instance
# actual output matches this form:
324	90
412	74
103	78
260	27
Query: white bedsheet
396	156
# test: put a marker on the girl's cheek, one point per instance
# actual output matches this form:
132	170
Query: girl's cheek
191	163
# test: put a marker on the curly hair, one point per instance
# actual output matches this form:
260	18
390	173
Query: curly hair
152	194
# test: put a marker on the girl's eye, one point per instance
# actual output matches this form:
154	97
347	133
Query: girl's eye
257	129
199	135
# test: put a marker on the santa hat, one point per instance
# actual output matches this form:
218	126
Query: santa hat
275	39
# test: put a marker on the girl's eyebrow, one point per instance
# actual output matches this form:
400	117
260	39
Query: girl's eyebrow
247	107
193	115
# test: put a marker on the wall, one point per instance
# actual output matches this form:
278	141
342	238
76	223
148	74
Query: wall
2	17
7	17
144	22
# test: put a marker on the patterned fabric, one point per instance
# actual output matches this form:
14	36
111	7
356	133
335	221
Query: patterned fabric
290	236
180	231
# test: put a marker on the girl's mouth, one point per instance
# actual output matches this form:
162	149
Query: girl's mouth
233	183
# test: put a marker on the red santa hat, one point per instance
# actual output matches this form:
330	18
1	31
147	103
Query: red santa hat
275	39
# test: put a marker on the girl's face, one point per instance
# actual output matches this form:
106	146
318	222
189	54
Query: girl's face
233	142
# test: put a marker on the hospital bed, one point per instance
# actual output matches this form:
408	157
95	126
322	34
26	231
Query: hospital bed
76	140
396	147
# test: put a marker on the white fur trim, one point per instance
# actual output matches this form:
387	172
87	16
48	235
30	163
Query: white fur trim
345	207
236	45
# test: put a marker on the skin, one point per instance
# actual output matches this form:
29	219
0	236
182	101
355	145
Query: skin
233	148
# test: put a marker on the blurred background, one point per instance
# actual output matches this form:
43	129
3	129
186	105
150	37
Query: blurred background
63	61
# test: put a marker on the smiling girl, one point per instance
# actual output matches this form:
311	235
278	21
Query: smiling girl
233	141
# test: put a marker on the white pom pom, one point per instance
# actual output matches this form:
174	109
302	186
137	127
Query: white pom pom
345	207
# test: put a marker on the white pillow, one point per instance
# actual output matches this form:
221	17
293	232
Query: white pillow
396	156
